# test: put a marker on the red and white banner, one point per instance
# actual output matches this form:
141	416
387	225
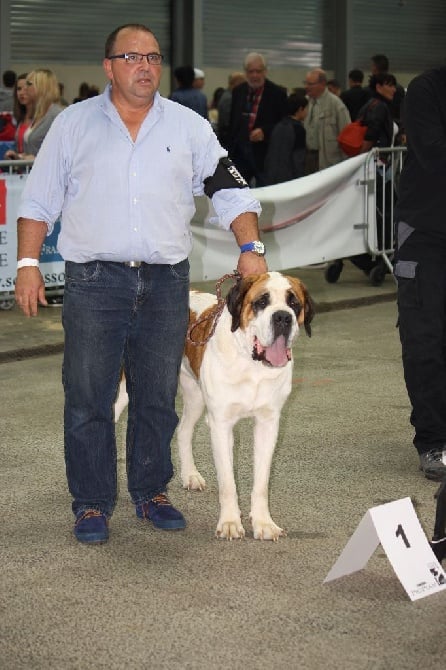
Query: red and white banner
309	220
52	265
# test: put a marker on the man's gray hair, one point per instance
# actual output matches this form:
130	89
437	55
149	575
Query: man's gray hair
252	57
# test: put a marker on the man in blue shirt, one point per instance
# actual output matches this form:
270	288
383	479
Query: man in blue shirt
122	169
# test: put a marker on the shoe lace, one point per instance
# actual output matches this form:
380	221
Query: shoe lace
161	499
88	514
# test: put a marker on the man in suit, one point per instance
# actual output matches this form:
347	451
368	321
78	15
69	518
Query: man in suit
257	105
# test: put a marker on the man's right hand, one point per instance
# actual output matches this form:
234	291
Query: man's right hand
29	290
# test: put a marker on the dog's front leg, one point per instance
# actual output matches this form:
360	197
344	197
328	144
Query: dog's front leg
229	524
265	437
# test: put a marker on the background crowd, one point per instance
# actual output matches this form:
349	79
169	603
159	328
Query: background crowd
272	134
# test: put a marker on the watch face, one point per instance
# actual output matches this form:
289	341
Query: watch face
259	248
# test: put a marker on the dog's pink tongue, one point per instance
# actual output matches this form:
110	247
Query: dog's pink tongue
277	353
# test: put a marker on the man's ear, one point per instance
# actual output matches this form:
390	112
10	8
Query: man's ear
106	64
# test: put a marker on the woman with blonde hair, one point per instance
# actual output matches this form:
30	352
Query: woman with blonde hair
44	94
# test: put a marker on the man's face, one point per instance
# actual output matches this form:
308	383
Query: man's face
313	87
136	84
255	73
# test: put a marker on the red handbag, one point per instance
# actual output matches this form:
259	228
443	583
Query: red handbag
352	135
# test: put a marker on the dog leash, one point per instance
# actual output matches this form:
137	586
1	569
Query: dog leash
215	314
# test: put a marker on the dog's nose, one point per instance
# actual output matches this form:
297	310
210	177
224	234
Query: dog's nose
282	322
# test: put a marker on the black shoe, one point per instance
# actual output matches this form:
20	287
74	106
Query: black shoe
333	271
433	464
377	274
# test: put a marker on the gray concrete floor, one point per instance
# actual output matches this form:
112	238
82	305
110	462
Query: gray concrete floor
186	600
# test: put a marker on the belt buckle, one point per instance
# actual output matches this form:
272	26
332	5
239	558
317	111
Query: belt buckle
133	264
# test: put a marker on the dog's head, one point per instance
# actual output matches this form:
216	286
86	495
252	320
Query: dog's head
269	308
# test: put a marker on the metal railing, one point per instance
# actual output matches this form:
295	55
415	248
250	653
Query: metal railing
382	171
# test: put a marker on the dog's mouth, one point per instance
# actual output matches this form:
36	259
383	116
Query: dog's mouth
276	355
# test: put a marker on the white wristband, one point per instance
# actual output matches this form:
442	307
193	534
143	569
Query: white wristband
27	262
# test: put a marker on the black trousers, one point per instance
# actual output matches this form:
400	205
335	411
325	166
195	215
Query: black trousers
420	270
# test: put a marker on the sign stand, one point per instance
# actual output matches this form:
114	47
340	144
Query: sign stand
397	528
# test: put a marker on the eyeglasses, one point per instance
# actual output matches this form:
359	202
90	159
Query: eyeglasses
135	58
310	83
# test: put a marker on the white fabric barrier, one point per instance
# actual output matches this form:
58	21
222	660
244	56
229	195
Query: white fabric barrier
309	220
305	221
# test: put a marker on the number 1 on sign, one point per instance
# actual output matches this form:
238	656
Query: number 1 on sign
400	533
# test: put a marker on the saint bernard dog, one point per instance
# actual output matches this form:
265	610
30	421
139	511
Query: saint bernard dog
235	366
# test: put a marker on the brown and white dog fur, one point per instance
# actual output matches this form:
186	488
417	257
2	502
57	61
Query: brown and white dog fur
243	370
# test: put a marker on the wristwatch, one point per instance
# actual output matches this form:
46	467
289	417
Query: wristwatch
256	246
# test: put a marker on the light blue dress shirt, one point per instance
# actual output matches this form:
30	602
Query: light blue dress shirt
121	200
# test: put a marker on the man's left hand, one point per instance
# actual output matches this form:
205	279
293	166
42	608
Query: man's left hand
250	263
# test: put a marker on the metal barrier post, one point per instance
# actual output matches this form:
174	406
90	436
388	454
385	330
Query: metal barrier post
388	163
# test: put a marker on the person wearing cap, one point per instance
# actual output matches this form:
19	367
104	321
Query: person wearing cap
186	94
198	79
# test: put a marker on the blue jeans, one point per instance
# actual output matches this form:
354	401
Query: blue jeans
115	316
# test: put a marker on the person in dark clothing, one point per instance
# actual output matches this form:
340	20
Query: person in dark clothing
377	116
379	64
355	96
420	267
257	105
186	94
285	159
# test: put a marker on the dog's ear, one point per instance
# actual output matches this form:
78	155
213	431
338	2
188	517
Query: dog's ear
308	307
309	311
235	300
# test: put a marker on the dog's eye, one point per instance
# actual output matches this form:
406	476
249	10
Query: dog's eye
294	303
260	303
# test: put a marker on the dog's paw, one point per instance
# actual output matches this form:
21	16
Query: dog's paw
266	530
194	482
230	530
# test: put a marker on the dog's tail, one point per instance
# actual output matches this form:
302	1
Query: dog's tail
438	544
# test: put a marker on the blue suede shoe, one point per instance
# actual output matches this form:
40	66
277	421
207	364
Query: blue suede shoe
161	513
91	526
